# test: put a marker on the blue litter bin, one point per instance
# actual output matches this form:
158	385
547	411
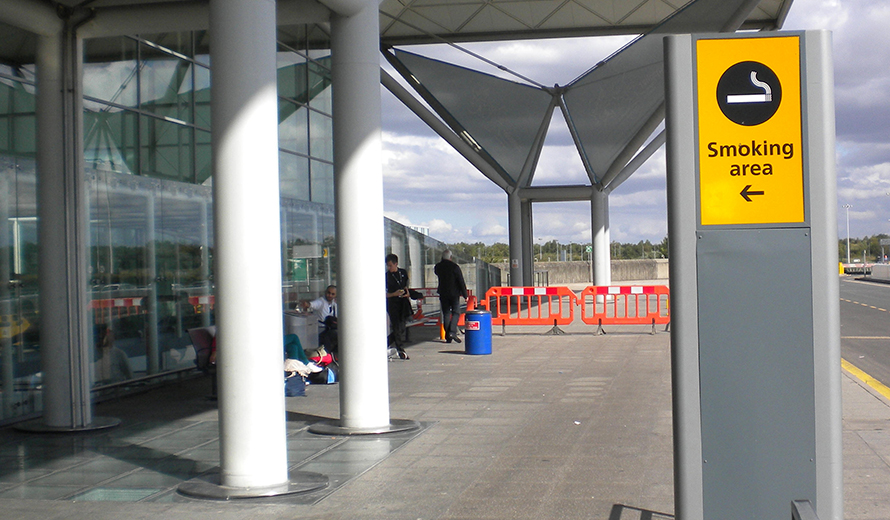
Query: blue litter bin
478	332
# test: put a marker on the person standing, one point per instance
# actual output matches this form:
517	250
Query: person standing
451	288
398	306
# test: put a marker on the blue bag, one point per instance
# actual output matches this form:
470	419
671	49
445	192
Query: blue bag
294	386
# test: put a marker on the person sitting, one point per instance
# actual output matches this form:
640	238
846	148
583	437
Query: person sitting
324	308
112	364
296	366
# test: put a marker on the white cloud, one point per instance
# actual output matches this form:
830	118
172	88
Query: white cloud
490	229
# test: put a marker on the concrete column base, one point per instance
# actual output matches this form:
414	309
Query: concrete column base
334	428
38	426
207	487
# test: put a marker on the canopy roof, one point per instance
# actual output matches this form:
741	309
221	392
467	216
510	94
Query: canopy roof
611	110
401	21
422	21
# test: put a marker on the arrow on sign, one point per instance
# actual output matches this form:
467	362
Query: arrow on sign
745	192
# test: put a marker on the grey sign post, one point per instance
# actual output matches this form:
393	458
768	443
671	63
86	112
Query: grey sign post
753	239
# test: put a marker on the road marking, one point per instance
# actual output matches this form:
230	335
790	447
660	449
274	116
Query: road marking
865	378
864	305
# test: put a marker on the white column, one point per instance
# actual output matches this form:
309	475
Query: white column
415	261
61	195
151	300
514	218
599	228
528	243
205	262
7	374
250	366
364	384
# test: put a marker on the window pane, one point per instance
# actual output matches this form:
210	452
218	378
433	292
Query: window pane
109	70
320	84
292	76
166	150
202	97
202	47
179	42
202	156
293	176
20	362
165	85
293	130
322	177
110	139
321	136
293	36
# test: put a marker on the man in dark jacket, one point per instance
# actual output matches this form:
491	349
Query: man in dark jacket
451	288
398	306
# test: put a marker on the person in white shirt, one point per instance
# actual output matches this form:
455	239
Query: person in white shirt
323	308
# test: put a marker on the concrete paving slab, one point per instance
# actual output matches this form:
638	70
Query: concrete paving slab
546	427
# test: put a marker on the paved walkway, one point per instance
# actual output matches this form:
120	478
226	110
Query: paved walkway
547	427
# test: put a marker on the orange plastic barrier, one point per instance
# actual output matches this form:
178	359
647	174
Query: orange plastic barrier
111	308
531	306
625	305
199	303
420	317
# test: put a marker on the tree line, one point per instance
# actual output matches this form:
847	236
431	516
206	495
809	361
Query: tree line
867	249
554	251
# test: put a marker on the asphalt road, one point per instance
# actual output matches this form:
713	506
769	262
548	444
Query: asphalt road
865	326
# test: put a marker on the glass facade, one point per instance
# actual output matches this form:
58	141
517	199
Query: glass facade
147	163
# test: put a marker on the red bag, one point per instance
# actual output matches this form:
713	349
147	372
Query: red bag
324	360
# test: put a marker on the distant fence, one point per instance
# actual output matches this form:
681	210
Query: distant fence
600	305
108	309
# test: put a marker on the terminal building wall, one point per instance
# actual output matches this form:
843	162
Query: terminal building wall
147	164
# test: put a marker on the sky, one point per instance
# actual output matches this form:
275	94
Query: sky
426	183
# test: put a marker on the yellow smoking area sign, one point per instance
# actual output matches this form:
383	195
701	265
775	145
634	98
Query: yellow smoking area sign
749	131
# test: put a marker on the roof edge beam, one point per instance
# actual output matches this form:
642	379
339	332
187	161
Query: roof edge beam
443	130
531	162
34	17
570	123
637	161
739	17
556	193
186	16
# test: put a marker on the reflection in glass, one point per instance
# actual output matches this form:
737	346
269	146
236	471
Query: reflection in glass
173	42
322	182
321	139
110	137
150	210
109	70
203	169
165	149
165	86
292	82
293	176
319	84
202	97
150	272
293	127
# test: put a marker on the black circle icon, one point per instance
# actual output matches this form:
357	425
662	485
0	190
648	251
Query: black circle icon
749	93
